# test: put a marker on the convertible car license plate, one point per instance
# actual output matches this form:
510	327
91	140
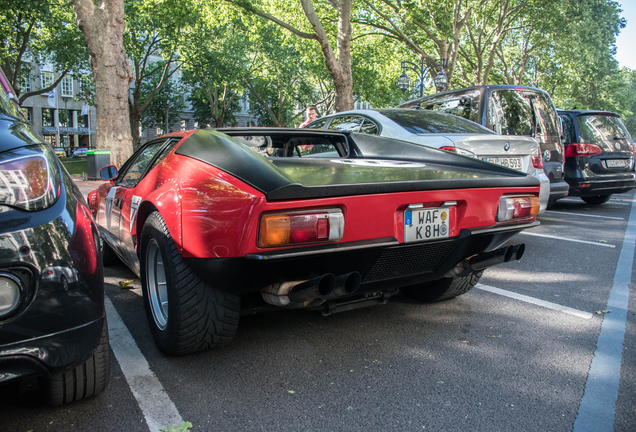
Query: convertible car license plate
615	163
426	224
514	163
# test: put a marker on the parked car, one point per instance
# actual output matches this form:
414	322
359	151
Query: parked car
53	334
79	152
445	132
599	155
219	226
60	152
509	110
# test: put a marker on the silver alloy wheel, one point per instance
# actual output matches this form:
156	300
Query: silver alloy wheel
157	286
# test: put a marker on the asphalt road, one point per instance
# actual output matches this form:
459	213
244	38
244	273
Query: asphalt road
482	362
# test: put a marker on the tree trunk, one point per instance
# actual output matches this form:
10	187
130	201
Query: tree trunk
103	29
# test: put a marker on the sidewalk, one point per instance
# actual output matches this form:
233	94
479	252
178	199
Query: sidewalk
86	186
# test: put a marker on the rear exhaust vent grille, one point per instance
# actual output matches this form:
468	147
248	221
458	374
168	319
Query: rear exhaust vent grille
409	260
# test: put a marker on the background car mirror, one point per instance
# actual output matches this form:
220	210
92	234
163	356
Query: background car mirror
108	172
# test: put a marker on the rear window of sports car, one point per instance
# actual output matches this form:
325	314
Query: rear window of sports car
426	122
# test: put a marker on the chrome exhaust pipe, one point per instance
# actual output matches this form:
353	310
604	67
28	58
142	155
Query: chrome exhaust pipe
280	294
487	259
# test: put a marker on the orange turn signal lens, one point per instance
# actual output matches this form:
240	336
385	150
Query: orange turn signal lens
275	230
517	207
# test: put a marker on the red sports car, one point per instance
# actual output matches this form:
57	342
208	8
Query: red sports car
220	223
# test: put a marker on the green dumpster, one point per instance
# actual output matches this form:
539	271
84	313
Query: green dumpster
96	160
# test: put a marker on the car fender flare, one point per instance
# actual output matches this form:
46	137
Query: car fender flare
167	201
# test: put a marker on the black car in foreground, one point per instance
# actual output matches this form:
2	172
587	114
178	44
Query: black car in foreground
53	333
599	155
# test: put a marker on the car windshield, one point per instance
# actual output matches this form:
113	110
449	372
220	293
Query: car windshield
427	122
602	130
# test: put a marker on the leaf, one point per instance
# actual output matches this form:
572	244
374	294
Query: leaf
181	427
602	241
602	312
125	284
291	391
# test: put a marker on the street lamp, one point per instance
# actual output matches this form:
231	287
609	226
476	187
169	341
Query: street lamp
422	71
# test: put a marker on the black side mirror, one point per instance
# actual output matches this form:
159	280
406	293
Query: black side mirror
108	172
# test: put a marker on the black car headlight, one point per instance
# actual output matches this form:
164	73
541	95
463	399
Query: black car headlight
29	178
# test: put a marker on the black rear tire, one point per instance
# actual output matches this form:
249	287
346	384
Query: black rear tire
597	199
197	316
442	289
83	381
109	257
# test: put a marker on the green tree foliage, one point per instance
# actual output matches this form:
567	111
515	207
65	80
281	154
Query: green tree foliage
166	106
152	41
33	32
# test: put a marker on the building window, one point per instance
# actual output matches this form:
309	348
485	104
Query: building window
196	125
47	117
47	79
67	86
184	124
25	85
64	117
82	120
159	131
141	131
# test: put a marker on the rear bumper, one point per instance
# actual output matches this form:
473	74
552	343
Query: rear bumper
51	354
382	263
559	190
602	186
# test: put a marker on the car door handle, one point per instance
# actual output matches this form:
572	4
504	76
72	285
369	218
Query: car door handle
118	202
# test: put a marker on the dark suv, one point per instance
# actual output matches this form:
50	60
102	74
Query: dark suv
599	155
509	110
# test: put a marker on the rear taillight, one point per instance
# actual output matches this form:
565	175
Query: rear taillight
29	178
517	207
458	150
293	228
581	149
537	160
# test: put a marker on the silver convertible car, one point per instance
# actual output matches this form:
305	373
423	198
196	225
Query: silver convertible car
445	132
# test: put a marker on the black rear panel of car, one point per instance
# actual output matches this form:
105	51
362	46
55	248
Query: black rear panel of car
409	168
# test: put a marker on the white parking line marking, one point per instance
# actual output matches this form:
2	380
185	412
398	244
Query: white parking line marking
624	202
567	239
586	215
598	405
538	302
158	409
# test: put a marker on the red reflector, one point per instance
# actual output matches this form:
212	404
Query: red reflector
585	185
581	149
448	149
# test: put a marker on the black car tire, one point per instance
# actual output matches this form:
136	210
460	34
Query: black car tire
442	289
198	316
551	203
86	380
596	199
109	257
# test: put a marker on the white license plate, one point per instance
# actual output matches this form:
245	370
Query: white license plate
615	163
426	224
514	163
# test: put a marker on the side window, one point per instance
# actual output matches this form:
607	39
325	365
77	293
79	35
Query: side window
510	113
568	129
464	104
316	125
347	123
369	128
545	116
132	172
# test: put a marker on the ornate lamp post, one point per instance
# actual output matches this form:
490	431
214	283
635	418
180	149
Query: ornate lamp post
422	71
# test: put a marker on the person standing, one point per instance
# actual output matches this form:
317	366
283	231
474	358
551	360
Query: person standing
310	115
